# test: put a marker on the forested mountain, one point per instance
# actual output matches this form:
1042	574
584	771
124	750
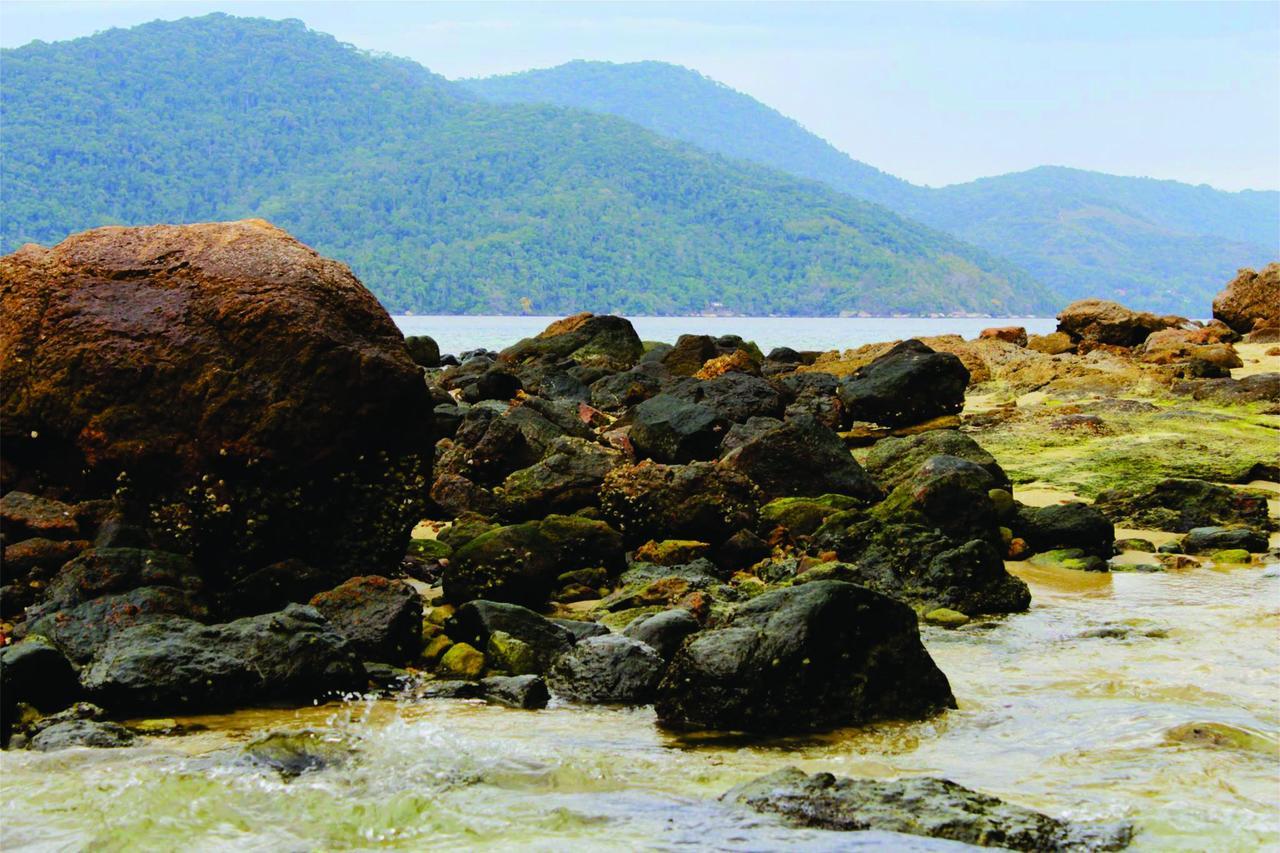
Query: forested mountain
440	200
1160	245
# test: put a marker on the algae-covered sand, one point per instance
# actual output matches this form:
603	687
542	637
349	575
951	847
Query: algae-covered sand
1085	443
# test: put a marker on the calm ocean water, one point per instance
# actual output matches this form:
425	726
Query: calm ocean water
458	333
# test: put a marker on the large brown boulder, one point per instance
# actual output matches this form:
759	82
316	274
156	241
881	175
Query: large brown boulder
1250	299
247	398
1098	321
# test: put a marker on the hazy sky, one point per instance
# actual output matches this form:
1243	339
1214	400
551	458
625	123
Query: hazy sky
935	93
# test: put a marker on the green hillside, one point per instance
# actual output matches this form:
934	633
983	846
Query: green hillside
443	202
1157	244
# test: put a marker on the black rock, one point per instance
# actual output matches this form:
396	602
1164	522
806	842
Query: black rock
381	618
581	629
741	551
667	429
733	396
520	563
528	692
806	657
423	349
91	733
663	632
893	461
801	457
36	672
1071	525
174	664
921	805
475	621
1206	540
611	669
907	385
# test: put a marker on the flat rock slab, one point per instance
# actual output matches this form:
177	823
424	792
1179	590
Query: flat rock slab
923	805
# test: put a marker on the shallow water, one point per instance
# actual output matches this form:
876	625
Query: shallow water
456	334
1049	718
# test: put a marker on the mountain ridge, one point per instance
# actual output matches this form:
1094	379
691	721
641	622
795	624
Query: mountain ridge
441	201
1183	242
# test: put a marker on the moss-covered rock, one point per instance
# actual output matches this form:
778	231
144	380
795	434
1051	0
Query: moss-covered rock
520	563
462	661
804	515
1070	558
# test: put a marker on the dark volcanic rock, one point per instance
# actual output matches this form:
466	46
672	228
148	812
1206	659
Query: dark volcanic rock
80	630
423	349
621	390
250	393
611	669
1250	299
702	501
23	516
815	656
671	430
907	385
568	478
1206	540
175	664
1180	505
733	396
663	632
381	618
90	733
689	353
597	341
520	563
950	494
900	554
922	805
894	460
476	621
1071	525
37	673
801	457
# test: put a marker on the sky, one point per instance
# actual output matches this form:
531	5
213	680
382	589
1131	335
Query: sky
936	93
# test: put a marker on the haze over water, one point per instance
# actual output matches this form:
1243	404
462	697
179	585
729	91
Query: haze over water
458	334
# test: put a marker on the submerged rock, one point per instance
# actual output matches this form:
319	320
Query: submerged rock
93	733
922	805
253	396
295	753
815	656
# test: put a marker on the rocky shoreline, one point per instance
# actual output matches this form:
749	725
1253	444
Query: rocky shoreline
228	481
